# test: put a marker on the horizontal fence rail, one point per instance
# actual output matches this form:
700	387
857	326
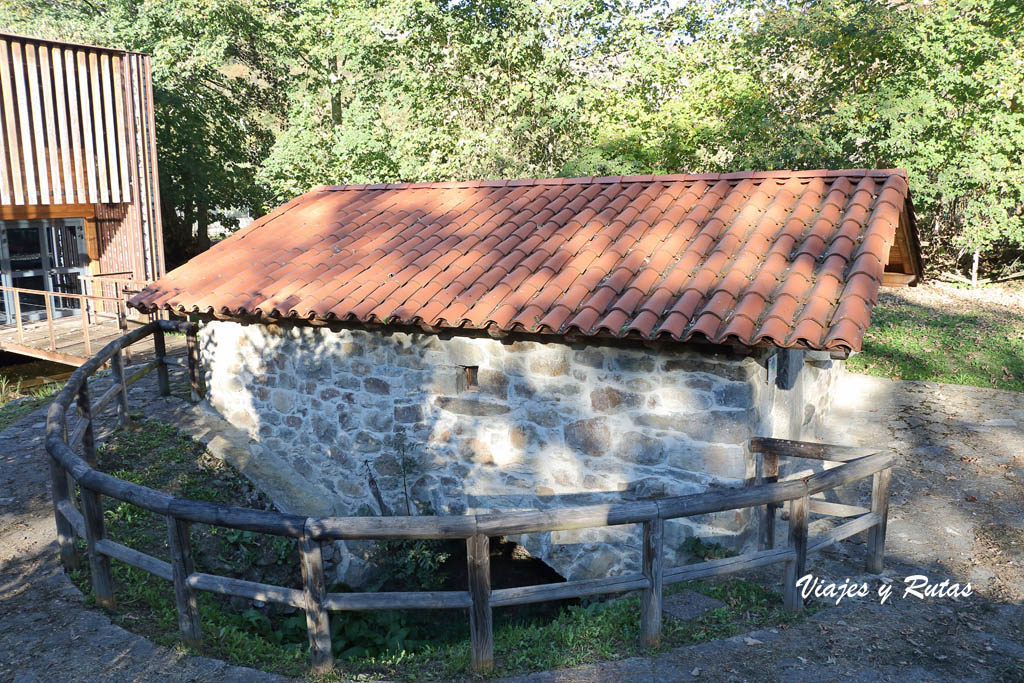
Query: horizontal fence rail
96	313
767	494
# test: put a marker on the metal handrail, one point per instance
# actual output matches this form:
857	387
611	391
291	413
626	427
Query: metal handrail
311	532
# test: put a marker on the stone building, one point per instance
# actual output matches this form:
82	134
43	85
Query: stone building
463	347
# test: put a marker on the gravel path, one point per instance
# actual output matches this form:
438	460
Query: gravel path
957	513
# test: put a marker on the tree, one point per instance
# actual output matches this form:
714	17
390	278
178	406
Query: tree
420	90
259	101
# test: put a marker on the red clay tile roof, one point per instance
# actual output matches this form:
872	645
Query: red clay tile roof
789	258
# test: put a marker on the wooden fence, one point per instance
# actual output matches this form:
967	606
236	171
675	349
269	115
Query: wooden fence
767	494
91	311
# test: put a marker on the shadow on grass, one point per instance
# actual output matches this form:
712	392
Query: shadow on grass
915	342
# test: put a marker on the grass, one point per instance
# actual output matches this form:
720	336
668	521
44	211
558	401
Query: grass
157	455
583	634
12	409
975	347
371	645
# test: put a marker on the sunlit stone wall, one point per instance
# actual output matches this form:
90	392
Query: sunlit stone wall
353	422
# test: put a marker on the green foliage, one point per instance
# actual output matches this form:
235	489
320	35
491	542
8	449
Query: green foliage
409	565
16	403
705	550
257	102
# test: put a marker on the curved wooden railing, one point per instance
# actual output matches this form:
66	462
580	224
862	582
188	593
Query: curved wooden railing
767	493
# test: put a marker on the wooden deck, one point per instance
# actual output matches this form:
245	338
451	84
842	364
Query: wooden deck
69	344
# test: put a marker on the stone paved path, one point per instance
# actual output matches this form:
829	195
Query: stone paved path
957	512
46	632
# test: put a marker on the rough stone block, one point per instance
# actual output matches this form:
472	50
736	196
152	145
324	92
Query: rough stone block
608	399
283	401
734	394
636	447
468	406
493	382
376	386
591	358
478	451
463	351
365	442
590	436
552	366
543	416
632	361
408	414
377	421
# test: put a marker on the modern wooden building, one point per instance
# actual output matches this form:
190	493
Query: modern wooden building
79	194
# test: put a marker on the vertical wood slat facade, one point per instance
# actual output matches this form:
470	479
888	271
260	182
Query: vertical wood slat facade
76	127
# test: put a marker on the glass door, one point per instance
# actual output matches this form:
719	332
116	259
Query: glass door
42	256
66	258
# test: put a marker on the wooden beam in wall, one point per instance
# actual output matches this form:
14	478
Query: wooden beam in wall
50	119
13	212
21	101
12	187
897	279
32	78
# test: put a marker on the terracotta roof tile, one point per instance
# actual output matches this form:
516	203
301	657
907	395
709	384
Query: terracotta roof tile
783	258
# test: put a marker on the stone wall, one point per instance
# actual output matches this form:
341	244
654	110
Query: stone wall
348	422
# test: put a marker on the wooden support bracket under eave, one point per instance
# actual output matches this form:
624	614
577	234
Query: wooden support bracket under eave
897	279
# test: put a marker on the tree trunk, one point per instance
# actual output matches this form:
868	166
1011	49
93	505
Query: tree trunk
202	229
974	270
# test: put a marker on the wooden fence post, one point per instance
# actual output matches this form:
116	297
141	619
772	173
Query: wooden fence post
481	633
317	620
769	475
61	491
876	534
122	319
49	321
798	543
192	341
85	413
72	485
180	546
160	351
99	564
653	570
17	317
85	326
117	377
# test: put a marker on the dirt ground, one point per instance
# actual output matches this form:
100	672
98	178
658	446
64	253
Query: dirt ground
1000	298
